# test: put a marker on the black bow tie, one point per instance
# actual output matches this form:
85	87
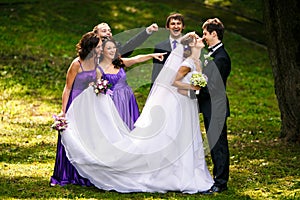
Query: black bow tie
210	50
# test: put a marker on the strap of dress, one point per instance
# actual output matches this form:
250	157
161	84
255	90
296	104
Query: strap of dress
99	67
80	65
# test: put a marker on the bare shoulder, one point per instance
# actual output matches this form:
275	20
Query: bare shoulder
75	65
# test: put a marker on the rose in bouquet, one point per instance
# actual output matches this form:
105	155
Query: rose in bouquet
60	123
102	86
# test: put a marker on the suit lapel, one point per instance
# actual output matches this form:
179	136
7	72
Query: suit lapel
167	45
220	49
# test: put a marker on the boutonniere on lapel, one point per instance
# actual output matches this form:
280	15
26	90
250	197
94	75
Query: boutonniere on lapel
207	58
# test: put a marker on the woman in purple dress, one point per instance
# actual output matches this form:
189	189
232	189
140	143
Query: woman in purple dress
82	71
112	69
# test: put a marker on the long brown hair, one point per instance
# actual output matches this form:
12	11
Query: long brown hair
117	60
87	43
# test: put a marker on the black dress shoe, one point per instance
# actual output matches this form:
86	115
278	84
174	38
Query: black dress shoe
214	189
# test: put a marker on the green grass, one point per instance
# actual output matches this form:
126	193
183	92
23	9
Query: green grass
37	45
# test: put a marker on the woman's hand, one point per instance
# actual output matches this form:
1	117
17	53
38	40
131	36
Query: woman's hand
193	87
159	56
189	34
62	114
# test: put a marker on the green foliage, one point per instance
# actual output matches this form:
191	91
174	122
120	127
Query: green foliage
248	8
38	41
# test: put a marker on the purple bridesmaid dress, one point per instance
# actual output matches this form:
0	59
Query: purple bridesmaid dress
64	172
123	97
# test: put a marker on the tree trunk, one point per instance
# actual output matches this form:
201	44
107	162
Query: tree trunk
283	31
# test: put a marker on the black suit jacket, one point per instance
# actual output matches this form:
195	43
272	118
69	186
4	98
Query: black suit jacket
217	72
127	49
162	47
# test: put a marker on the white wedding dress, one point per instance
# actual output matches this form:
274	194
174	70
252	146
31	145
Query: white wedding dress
163	153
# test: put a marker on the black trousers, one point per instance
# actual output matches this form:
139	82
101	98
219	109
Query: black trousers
219	152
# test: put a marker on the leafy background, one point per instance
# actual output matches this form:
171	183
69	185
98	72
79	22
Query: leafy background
38	39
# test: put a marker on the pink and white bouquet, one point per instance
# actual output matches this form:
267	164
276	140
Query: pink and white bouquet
102	86
60	123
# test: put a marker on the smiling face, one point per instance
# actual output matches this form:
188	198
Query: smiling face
104	30
210	38
109	50
175	28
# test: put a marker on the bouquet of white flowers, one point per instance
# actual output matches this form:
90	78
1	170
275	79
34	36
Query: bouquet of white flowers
198	79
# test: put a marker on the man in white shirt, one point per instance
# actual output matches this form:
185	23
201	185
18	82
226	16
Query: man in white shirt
175	25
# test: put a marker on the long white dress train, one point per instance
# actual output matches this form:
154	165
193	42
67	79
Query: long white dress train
164	152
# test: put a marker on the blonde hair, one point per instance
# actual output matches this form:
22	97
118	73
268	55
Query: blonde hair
97	27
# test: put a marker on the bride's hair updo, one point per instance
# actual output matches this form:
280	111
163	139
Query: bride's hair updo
117	61
185	41
87	43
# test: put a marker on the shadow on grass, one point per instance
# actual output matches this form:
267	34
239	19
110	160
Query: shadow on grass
264	168
257	167
27	187
19	154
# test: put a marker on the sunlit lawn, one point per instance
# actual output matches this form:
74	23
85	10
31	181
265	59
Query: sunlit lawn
37	45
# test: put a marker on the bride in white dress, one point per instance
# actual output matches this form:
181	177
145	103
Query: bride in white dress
164	152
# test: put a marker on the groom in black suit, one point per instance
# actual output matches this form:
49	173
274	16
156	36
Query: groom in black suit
213	102
175	25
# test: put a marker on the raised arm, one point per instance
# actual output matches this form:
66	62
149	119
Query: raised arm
127	49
